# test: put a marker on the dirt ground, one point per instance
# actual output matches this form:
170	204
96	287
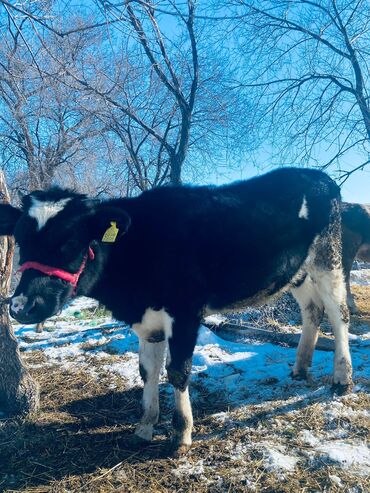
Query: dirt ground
80	440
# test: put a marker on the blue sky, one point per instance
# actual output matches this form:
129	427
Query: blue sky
357	188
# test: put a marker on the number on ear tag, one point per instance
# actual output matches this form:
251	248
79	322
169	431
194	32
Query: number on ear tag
110	235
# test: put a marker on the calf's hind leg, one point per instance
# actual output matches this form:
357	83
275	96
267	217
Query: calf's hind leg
312	310
332	290
326	288
326	270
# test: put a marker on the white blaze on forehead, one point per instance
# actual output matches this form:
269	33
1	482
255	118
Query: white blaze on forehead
43	211
303	211
18	303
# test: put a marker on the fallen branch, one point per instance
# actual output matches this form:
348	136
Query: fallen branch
243	333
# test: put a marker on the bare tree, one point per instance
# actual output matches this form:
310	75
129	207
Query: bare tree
170	127
156	57
306	70
154	77
19	393
43	124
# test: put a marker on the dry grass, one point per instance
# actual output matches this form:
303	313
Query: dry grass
80	440
362	297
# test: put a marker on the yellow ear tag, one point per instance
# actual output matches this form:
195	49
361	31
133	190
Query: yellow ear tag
110	235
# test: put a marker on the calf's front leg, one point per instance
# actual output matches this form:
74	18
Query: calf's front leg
181	346
151	356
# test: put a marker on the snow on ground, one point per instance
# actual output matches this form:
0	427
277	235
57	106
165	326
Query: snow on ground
240	374
361	277
278	460
347	455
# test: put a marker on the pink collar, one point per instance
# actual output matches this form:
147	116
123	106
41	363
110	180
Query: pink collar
62	274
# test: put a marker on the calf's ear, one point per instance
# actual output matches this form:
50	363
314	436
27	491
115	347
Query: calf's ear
9	216
107	223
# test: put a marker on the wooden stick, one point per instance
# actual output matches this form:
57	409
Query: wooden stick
242	333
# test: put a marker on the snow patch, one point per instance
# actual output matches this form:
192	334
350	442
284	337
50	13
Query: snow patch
215	319
336	480
278	460
127	369
360	277
347	455
308	438
186	468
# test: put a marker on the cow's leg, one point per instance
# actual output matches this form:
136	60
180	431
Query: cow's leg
40	327
326	270
332	290
151	357
350	299
312	310
181	346
348	259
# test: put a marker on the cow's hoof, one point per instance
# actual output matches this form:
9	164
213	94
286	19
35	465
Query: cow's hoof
341	389
301	375
178	450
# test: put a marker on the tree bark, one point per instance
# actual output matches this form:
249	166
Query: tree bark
175	170
19	393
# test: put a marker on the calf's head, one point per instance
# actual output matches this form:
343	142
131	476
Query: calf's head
59	234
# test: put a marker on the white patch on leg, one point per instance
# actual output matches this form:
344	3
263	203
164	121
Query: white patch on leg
332	290
303	211
183	408
310	304
154	321
18	303
151	356
43	211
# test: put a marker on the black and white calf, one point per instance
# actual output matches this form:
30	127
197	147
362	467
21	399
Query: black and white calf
162	260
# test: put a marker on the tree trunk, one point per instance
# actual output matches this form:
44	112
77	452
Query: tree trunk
175	169
19	393
177	159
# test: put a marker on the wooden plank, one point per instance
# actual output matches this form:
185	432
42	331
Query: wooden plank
238	333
